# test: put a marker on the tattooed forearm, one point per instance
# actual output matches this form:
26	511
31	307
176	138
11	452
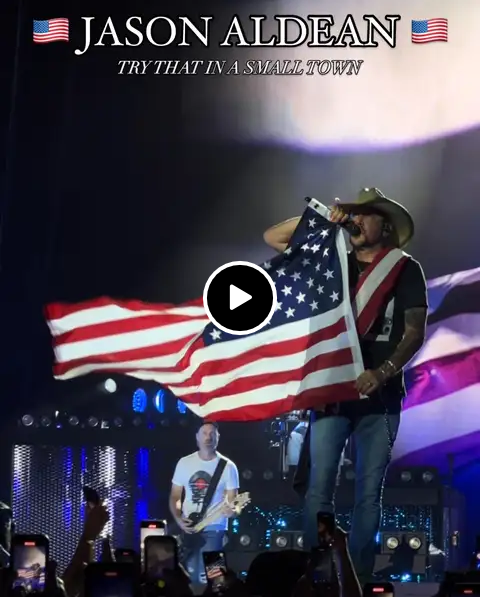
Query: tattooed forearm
413	338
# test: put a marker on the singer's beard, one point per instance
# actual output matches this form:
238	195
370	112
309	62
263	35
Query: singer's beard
362	242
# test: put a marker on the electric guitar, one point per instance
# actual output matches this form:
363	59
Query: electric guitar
190	542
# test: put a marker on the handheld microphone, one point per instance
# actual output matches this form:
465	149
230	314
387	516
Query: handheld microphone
349	225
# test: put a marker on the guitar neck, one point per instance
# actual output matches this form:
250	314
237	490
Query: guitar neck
214	514
217	511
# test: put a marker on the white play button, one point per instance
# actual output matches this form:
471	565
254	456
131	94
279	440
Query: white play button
238	297
233	285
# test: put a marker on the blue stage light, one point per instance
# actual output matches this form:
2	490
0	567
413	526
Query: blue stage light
181	407
159	401
139	401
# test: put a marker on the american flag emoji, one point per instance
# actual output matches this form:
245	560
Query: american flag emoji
45	32
424	32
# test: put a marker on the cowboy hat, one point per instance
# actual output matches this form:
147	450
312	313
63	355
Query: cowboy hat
399	218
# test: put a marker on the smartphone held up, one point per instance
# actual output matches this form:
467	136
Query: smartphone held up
160	554
215	563
149	528
28	559
111	579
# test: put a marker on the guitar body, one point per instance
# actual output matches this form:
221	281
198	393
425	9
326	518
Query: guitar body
191	543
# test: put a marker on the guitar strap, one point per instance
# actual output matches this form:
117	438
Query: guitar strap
222	463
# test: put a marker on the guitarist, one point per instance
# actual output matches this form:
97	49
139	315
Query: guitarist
201	481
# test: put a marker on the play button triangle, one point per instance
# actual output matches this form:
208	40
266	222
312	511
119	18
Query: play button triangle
238	297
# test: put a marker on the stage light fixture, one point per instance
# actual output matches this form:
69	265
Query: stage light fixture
137	421
406	476
392	542
118	422
27	420
181	407
299	542
281	541
415	543
428	477
247	474
73	421
139	401
110	385
92	422
159	401
268	475
245	540
45	421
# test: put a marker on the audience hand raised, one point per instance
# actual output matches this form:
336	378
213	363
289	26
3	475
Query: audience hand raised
95	521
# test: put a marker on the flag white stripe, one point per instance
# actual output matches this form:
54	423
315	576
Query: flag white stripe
438	288
268	394
290	331
111	313
448	337
376	278
158	336
431	423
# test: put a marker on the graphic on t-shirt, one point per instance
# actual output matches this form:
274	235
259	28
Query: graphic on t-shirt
198	484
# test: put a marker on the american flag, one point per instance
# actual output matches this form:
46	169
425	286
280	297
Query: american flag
33	572
45	32
429	30
442	409
307	355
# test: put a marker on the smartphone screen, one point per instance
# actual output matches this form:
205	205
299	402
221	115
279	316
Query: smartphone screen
149	528
29	558
215	569
110	579
160	555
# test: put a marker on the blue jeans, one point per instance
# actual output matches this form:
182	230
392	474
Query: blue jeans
208	541
327	441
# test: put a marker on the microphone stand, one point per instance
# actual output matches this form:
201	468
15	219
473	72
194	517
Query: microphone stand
283	449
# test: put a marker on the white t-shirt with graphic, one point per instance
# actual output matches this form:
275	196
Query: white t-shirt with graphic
194	475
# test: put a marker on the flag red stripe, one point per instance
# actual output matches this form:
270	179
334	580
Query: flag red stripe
218	367
282	348
257	382
58	310
123	326
121	356
311	398
368	315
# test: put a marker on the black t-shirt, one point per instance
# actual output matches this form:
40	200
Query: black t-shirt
384	336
